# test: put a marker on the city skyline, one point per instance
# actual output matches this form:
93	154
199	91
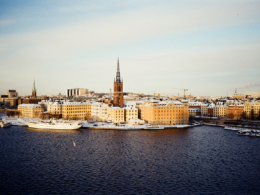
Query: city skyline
206	47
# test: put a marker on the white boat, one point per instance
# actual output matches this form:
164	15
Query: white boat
4	124
153	127
54	124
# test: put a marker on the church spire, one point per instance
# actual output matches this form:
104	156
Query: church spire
34	88
118	80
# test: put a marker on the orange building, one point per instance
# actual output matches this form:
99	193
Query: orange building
165	113
118	100
235	111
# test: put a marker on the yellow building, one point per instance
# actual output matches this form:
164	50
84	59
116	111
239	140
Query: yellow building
204	110
131	113
252	110
256	108
247	109
30	110
219	111
165	113
116	114
76	110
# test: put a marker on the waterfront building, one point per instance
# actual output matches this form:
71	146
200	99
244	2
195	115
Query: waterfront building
248	109
165	113
235	111
210	109
30	110
202	106
99	111
252	110
116	114
76	110
118	99
130	113
256	110
204	109
219	111
34	90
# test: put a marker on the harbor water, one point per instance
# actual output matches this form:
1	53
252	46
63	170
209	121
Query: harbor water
199	160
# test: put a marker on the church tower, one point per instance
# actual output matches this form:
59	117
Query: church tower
34	90
118	89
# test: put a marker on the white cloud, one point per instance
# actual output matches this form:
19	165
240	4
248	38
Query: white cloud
37	49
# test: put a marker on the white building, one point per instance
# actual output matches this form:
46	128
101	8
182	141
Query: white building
99	111
54	108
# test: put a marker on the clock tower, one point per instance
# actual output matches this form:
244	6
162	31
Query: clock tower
118	89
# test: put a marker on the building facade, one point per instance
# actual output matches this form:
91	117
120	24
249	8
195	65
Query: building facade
54	108
131	113
99	111
252	110
30	110
235	111
194	112
165	113
12	94
219	111
77	92
116	114
76	110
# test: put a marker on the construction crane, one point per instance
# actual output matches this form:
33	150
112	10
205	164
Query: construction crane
184	97
159	94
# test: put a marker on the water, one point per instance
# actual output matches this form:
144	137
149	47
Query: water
201	160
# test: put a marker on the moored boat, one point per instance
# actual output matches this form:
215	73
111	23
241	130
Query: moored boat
4	124
153	127
247	134
54	124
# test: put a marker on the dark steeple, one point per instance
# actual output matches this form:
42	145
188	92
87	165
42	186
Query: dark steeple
118	80
34	88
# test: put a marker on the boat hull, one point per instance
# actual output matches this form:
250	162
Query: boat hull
55	126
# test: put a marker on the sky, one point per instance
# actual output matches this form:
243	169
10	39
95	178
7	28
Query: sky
207	47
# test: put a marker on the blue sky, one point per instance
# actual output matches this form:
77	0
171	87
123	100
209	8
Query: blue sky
208	47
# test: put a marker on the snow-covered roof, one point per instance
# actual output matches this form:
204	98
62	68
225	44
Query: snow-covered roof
194	109
77	103
30	105
129	108
116	107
